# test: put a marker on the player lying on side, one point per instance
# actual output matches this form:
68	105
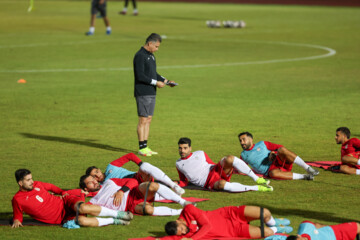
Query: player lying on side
350	152
225	222
316	231
146	171
198	169
273	160
34	199
127	195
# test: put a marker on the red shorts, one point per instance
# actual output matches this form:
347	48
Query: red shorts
69	205
280	164
216	174
232	222
345	231
135	197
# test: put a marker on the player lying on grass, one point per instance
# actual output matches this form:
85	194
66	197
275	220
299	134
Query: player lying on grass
146	171
225	222
316	231
127	195
350	152
198	169
34	199
273	160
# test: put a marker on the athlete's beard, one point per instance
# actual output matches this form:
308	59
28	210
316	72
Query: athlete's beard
29	188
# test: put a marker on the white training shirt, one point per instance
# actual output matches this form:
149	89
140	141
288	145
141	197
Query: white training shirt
105	196
195	168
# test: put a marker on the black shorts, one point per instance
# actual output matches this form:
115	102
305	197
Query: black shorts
96	7
145	105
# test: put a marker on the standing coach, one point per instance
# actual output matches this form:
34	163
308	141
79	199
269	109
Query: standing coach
146	82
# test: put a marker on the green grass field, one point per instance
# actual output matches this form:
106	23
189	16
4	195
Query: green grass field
277	78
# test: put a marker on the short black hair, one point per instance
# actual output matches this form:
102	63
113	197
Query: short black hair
185	140
171	228
292	237
21	173
89	169
82	184
154	37
345	131
247	134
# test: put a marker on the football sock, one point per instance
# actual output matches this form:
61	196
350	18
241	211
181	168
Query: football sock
108	28
107	212
237	187
165	211
168	194
298	176
124	9
141	144
271	222
357	171
145	143
105	221
300	162
358	162
241	166
92	29
274	229
157	174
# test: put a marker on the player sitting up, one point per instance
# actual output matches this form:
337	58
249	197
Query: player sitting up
127	195
34	199
350	152
273	160
146	171
225	222
198	169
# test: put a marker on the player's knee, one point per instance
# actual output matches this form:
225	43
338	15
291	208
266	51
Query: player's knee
229	159
267	213
149	210
268	232
153	187
219	185
82	221
83	208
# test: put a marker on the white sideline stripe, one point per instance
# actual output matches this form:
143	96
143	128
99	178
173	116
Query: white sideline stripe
330	52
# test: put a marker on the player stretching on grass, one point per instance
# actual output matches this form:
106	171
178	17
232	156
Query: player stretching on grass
350	152
34	199
200	170
225	222
272	160
127	194
146	172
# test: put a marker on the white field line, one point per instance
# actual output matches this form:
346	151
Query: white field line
329	52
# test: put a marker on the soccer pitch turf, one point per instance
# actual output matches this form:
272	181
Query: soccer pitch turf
290	77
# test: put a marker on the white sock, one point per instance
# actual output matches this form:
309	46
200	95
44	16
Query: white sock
135	10
298	176
157	174
300	162
271	222
357	171
241	166
92	29
108	28
274	229
107	212
169	195
105	221
358	162
165	211
125	9
238	187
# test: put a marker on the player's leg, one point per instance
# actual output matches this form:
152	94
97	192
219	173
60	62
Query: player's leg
290	157
278	174
238	187
349	170
159	175
100	211
99	222
352	159
230	162
135	11
255	232
143	133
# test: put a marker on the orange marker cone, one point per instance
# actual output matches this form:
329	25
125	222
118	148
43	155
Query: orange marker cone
21	81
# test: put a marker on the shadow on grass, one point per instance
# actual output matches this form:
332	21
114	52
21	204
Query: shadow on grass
306	214
83	142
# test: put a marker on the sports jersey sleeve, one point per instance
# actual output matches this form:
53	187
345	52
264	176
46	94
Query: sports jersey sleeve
191	212
52	188
129	183
160	78
17	211
139	69
126	158
183	181
272	146
208	159
356	143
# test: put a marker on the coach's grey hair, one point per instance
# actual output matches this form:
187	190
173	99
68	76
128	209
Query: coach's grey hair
154	37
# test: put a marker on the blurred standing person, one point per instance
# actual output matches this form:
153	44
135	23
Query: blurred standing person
124	11
98	6
146	82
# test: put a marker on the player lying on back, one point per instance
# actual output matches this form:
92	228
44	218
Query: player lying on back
127	195
34	199
350	152
225	222
146	171
273	160
198	169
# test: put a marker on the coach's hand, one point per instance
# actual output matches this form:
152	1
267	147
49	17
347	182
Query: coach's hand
171	85
118	198
160	84
16	224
